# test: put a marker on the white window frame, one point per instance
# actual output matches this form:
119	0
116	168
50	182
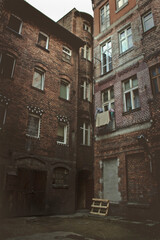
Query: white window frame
39	123
13	65
86	27
87	52
20	26
131	91
66	83
86	127
145	19
124	2
86	88
42	73
67	53
108	52
65	131
125	38
47	40
105	15
110	100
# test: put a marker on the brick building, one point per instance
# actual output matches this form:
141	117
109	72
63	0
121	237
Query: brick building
39	114
81	24
126	75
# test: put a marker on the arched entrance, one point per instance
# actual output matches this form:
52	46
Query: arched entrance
84	189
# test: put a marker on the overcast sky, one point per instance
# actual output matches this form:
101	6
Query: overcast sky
56	9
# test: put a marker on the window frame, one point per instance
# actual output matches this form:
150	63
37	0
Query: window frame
105	16
2	56
20	26
155	89
131	91
42	73
125	39
39	123
107	57
65	133
4	115
85	127
86	27
110	100
86	52
143	21
67	84
67	53
86	90
60	178
125	2
47	40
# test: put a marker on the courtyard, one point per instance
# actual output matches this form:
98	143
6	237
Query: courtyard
77	226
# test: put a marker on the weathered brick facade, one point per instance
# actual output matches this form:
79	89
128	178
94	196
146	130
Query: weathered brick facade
131	147
38	174
81	24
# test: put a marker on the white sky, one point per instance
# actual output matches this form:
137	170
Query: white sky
56	9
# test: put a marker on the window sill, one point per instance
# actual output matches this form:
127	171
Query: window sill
33	137
16	33
44	49
119	9
127	51
149	30
66	61
131	111
60	186
103	74
62	144
86	59
65	100
37	89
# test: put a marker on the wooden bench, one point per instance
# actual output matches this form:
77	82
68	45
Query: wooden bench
99	206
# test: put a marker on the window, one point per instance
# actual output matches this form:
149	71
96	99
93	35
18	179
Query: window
43	40
125	38
108	99
121	3
85	133
33	129
38	79
106	57
86	27
64	90
15	24
131	95
7	64
148	22
86	52
60	177
105	17
86	90
62	133
155	78
67	53
2	115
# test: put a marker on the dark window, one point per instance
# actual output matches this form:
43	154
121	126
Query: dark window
15	24
43	40
7	65
2	115
155	78
60	177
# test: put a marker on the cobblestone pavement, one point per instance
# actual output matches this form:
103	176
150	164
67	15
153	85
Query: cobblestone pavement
77	227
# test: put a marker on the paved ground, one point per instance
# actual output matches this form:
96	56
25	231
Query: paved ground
78	227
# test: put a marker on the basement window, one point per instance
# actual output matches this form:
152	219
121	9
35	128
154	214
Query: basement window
15	24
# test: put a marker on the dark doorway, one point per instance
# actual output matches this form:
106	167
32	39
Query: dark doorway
25	192
84	190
